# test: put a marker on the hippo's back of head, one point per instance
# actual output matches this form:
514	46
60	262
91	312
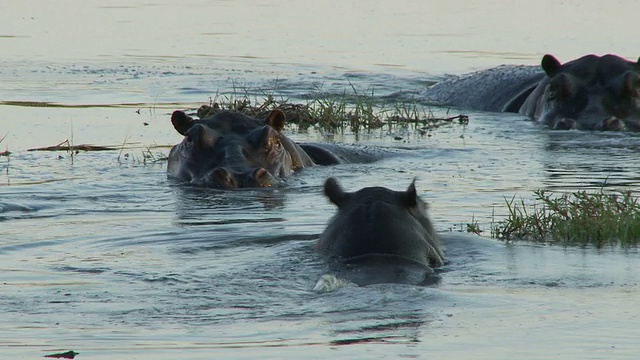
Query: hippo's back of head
377	221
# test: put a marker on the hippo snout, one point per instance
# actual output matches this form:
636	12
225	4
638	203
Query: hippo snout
223	178
565	124
260	177
612	123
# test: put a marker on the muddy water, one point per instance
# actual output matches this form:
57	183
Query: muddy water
101	254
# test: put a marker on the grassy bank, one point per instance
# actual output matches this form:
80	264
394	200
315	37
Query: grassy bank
578	218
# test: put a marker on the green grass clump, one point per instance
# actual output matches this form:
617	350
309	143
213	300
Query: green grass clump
579	218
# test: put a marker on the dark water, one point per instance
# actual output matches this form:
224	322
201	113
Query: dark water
101	254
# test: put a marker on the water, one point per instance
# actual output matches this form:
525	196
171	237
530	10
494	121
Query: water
101	254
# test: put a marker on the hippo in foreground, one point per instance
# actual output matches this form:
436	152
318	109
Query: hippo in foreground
589	93
228	150
378	224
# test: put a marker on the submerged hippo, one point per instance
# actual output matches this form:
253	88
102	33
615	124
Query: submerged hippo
589	93
228	150
377	222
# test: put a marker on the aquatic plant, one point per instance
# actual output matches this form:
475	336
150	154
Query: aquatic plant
577	218
332	113
6	152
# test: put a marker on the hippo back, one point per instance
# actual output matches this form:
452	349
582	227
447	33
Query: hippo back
501	89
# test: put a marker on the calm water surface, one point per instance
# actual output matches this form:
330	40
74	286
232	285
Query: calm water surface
101	254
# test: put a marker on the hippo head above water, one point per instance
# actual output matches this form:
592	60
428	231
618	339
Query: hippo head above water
376	222
591	93
229	150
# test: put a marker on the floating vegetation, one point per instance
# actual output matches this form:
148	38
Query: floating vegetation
68	146
64	355
6	152
335	113
578	218
147	157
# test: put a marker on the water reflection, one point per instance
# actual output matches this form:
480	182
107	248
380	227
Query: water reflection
591	160
190	198
378	314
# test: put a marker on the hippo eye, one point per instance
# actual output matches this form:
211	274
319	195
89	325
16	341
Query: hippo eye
273	143
553	94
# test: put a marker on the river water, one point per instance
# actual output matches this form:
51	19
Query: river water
101	254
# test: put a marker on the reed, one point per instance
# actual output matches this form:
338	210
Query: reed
355	111
6	152
577	218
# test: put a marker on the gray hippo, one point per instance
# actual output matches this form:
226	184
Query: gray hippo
228	150
589	93
375	222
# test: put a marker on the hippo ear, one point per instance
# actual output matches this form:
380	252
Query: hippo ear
205	111
409	197
276	119
334	192
181	121
551	65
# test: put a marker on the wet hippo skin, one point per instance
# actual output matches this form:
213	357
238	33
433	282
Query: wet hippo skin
228	150
589	93
377	223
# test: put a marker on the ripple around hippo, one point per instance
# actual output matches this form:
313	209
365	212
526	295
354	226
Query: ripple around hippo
386	232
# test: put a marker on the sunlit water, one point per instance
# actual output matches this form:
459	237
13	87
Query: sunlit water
101	254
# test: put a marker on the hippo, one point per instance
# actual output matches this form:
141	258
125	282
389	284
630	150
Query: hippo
376	223
589	93
228	150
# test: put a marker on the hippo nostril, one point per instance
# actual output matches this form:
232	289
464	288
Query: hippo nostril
223	178
220	171
612	123
565	124
260	173
261	177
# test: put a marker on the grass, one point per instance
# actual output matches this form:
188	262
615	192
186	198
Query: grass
327	113
577	218
148	156
6	152
334	113
74	149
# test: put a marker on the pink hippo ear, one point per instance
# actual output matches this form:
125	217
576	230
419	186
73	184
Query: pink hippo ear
276	119
181	121
551	65
334	192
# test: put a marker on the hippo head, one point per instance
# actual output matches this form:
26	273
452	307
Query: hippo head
229	150
376	221
592	92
